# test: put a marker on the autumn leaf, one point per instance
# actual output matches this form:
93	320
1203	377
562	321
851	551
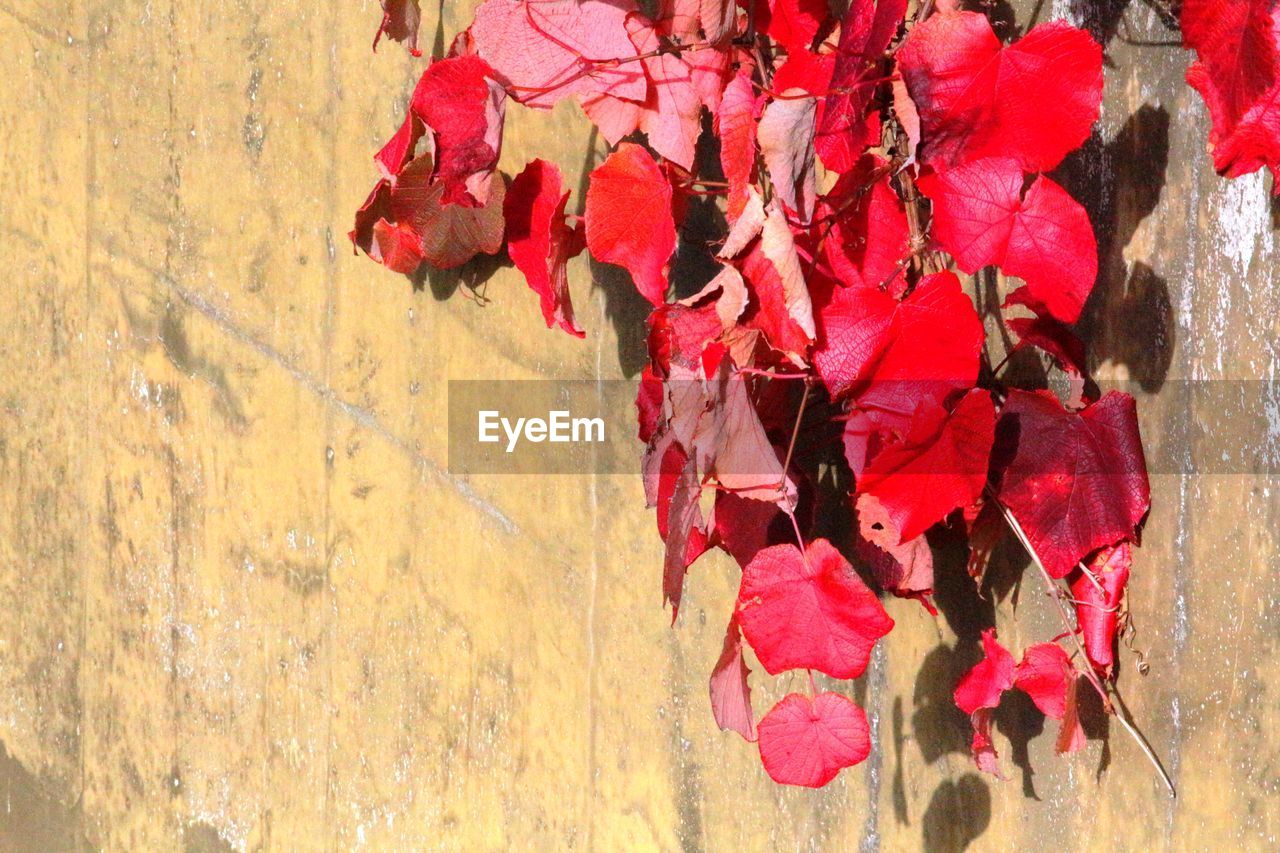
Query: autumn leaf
1033	101
981	217
1075	481
628	218
730	692
540	241
806	742
809	610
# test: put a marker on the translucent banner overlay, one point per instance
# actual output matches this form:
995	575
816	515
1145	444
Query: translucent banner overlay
590	426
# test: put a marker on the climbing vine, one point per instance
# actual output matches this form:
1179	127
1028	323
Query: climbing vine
826	398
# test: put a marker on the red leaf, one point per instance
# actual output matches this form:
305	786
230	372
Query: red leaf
680	522
780	305
807	71
786	143
896	355
732	445
809	611
855	326
982	686
540	242
463	105
544	48
1076	482
735	123
730	692
807	742
1235	44
983	748
678	85
406	225
791	23
1045	674
940	466
1098	603
1052	337
400	20
1034	101
628	218
743	527
869	235
717	18
903	568
864	34
648	404
981	217
679	332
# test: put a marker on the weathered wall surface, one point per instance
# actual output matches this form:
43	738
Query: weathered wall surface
245	604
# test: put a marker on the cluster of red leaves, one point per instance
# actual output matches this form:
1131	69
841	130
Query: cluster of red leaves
1237	73
833	346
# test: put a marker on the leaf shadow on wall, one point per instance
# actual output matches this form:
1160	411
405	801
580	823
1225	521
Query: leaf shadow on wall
1129	318
473	275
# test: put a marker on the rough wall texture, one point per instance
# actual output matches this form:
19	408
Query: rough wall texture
245	604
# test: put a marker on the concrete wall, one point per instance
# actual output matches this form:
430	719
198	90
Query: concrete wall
243	603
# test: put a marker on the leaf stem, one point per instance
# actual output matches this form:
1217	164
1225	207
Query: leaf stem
795	432
1104	693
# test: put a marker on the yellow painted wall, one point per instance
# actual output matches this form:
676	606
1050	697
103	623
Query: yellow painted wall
243	603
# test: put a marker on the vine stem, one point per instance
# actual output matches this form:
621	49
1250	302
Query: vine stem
1104	693
795	432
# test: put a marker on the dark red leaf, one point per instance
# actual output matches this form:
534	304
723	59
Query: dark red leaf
406	225
1045	674
1052	337
1075	481
981	217
540	241
628	216
400	20
1034	101
743	526
648	404
807	742
1098	598
680	522
982	686
903	568
730	692
809	611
